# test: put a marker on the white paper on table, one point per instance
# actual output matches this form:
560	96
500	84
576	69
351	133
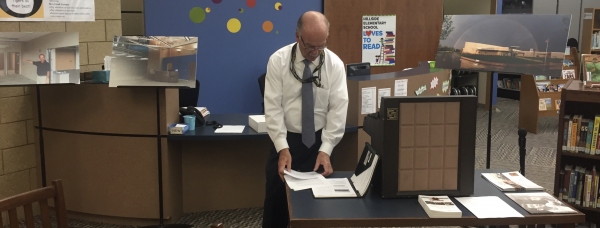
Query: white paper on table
368	100
301	184
383	92
230	129
568	51
303	175
401	87
338	187
488	207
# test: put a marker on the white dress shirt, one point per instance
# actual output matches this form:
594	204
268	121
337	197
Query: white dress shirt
283	98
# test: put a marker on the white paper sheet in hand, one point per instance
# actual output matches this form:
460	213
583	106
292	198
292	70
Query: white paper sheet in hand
302	175
231	129
489	207
301	184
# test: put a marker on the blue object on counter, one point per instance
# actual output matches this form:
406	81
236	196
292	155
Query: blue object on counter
101	76
190	120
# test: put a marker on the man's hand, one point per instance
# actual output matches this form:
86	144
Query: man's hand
285	162
323	159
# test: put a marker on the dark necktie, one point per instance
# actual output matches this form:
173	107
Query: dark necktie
308	107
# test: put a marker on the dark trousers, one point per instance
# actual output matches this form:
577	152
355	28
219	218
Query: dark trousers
275	213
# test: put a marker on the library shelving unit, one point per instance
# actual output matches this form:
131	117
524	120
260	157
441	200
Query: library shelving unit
509	86
590	27
533	92
576	100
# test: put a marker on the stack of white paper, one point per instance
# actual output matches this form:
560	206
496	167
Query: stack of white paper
338	187
300	181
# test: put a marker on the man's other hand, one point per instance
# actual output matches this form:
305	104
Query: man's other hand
285	162
322	159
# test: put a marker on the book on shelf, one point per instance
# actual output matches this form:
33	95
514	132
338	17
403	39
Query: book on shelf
439	207
568	74
579	185
511	182
539	203
580	134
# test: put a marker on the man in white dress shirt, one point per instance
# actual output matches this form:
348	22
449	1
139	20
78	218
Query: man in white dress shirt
292	72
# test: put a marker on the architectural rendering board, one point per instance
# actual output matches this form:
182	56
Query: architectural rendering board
153	61
30	58
510	43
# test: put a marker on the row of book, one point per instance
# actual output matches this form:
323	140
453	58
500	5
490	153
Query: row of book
510	83
547	86
579	186
580	134
546	104
596	40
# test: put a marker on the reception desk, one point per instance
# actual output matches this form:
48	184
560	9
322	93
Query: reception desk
103	143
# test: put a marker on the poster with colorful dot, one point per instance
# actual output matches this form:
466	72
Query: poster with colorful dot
379	40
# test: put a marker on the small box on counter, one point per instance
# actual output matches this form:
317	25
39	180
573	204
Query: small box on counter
257	122
178	128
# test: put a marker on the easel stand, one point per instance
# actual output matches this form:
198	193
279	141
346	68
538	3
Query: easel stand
489	136
41	136
160	171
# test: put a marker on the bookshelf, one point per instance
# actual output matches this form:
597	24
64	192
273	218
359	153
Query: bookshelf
531	94
576	100
590	26
509	86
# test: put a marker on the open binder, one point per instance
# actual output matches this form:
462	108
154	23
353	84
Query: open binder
358	184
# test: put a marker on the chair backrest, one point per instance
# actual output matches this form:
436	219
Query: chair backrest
40	195
189	96
261	85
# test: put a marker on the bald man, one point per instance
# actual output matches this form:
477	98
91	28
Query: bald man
306	100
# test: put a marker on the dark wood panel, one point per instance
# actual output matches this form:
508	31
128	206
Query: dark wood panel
345	18
106	175
98	108
418	28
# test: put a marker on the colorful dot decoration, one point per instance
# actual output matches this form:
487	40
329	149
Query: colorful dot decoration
207	9
241	10
276	32
267	26
278	6
217	1
197	15
251	3
234	25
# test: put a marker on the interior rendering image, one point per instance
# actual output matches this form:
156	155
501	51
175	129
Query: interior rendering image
39	58
300	114
153	61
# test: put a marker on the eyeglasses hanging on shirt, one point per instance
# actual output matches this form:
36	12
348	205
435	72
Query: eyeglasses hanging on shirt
313	79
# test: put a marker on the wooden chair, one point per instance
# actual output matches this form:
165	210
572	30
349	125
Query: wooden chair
41	195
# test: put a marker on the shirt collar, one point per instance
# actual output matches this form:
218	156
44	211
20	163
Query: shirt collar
300	58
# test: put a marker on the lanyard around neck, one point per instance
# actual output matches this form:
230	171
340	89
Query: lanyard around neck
316	80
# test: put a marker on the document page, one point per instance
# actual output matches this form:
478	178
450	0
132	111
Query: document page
337	187
302	175
301	184
488	207
368	100
231	129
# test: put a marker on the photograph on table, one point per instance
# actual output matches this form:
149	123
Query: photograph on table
162	61
30	58
536	44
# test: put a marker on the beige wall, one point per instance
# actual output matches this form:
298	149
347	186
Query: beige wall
17	161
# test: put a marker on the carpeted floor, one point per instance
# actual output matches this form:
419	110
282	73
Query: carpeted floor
540	163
